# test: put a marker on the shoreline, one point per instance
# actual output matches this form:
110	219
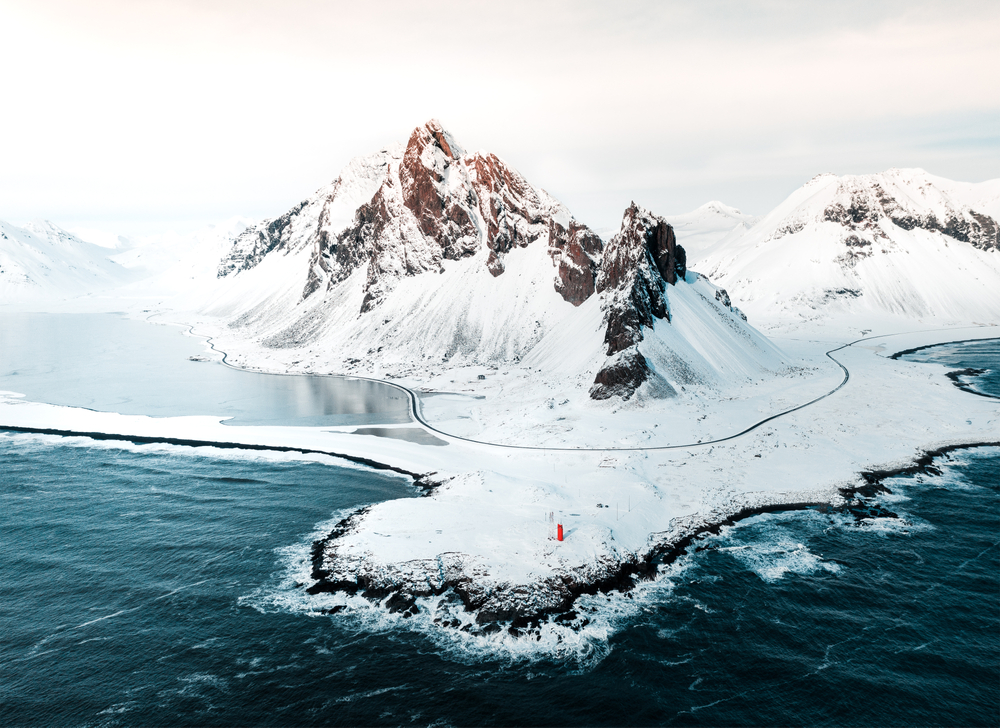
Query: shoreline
185	442
955	374
629	573
915	349
498	600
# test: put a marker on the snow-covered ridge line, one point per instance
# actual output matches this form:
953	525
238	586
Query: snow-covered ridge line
901	243
41	262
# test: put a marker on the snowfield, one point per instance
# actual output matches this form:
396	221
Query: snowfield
902	244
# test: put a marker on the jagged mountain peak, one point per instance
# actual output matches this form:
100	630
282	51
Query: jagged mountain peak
450	259
433	134
406	210
720	208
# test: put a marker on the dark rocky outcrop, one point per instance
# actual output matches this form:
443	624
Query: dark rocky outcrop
621	375
862	206
442	216
255	242
639	262
576	251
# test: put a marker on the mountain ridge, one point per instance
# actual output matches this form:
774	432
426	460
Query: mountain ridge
374	282
898	243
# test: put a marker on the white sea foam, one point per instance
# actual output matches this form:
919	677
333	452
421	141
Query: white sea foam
772	546
445	623
780	554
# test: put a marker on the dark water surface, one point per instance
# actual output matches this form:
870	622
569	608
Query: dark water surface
983	355
156	586
110	363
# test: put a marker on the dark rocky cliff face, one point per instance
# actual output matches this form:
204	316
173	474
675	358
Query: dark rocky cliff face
443	214
254	243
576	251
639	263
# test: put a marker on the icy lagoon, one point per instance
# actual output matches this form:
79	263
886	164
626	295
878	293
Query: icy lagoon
160	584
112	363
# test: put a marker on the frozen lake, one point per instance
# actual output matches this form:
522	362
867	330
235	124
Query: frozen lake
110	363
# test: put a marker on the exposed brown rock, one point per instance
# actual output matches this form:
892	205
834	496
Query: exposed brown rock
422	174
575	251
435	202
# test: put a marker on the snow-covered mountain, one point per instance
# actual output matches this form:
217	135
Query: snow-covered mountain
41	262
424	256
900	243
179	267
702	229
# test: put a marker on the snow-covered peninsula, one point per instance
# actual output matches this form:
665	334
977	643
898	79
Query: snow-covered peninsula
608	384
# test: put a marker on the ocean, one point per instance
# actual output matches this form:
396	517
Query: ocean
162	585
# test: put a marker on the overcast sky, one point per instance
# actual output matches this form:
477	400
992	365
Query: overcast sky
146	116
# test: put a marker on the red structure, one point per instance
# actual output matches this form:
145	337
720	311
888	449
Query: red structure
559	535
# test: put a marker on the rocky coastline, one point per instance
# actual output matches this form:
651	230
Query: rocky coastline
524	607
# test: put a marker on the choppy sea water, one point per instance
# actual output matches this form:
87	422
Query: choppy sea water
982	355
156	586
160	585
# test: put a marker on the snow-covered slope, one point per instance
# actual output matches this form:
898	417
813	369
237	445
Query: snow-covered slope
453	259
700	230
663	327
42	263
902	243
179	267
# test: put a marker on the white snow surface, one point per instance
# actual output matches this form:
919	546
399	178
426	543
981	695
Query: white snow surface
700	230
41	263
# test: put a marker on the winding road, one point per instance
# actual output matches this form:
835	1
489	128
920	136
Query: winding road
417	415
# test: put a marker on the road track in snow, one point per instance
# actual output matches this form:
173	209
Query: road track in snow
417	416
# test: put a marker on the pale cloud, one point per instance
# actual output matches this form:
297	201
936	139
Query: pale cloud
179	110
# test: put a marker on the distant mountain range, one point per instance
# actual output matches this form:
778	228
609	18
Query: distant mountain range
425	255
42	262
902	243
